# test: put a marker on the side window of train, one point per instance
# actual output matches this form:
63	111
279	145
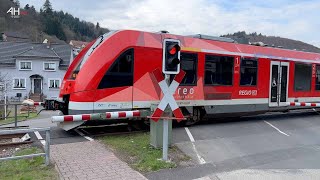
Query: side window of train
189	63
248	72
218	70
302	77
317	77
120	73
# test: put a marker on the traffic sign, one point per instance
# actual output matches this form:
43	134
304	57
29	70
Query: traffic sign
168	99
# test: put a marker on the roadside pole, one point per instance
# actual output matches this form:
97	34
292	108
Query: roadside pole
165	140
166	129
170	66
5	101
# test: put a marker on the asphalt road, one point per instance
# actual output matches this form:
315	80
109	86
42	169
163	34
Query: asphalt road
263	146
58	135
260	143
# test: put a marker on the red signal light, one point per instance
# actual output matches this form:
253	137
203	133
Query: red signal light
173	51
171	56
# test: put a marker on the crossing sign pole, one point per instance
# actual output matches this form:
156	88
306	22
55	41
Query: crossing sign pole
170	65
165	139
167	101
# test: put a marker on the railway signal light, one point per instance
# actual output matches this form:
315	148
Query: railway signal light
171	56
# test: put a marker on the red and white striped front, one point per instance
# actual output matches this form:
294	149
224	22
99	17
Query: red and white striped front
122	114
303	104
97	116
82	117
38	103
31	103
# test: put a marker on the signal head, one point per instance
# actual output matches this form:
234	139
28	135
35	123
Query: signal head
171	56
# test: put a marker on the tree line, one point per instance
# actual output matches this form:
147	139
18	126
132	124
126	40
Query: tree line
48	22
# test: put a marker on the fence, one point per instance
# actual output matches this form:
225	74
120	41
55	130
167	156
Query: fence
10	113
46	148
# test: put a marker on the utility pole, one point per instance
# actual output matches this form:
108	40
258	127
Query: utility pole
3	88
5	100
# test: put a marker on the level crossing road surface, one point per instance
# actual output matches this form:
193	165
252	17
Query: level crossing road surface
58	135
274	145
77	156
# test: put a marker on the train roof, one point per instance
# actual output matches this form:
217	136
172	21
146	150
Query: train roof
217	46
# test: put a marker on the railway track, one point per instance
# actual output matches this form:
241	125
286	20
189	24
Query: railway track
7	140
125	128
119	129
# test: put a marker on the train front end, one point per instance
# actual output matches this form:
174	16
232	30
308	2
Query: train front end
96	77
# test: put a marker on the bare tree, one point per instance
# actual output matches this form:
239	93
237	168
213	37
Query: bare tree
4	79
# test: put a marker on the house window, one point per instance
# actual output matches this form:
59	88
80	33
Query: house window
19	83
54	83
49	66
218	70
248	72
25	65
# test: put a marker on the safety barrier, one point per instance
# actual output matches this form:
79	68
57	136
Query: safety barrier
101	116
303	104
31	103
21	131
4	115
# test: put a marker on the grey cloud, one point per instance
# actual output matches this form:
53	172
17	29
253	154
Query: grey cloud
281	18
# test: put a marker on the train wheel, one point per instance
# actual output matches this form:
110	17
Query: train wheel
195	118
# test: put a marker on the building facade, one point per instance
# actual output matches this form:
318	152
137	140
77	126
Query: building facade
77	46
34	70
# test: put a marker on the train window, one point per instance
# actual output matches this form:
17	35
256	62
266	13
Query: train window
302	77
99	40
218	70
189	65
317	77
120	73
84	59
248	72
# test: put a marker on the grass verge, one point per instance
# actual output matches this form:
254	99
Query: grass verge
27	169
135	149
20	118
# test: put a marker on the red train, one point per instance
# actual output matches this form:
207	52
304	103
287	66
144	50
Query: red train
222	78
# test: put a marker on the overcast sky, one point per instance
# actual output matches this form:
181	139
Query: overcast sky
295	19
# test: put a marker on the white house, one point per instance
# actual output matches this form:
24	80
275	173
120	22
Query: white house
36	70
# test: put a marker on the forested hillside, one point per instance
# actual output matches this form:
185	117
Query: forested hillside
243	37
58	26
47	23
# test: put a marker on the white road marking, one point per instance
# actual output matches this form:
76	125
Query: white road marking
43	142
203	178
81	134
276	128
200	159
315	111
189	134
38	135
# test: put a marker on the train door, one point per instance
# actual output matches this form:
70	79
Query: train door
279	74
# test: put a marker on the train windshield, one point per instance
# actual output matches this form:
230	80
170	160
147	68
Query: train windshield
99	41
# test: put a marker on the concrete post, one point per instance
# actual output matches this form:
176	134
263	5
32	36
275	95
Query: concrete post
160	129
15	115
47	147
